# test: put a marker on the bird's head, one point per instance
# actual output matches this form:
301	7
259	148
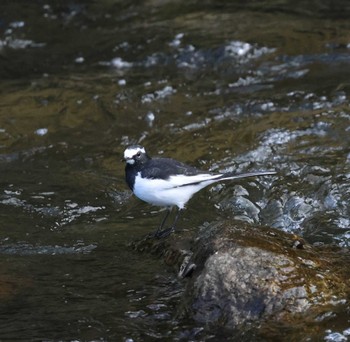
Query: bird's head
135	154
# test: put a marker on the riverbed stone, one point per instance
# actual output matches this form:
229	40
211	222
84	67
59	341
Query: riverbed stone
247	274
238	274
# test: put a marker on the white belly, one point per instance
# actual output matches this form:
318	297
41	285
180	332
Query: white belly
163	193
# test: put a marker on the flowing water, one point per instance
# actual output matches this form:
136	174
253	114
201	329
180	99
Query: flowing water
223	86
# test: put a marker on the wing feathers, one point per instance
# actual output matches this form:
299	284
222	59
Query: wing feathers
182	180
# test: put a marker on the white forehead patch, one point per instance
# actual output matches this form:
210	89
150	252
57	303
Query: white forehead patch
131	152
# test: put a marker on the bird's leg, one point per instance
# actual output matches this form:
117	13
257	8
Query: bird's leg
164	219
166	232
159	230
176	218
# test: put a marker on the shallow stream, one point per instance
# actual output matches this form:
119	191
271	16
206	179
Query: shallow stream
223	86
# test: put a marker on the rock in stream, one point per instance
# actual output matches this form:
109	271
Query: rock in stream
240	277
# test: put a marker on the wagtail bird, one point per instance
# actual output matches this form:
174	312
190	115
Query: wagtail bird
167	182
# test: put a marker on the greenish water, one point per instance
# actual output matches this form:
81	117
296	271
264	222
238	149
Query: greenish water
220	85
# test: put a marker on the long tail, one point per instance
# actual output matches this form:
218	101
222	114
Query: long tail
231	175
207	179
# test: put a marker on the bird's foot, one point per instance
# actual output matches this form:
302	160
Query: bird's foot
161	234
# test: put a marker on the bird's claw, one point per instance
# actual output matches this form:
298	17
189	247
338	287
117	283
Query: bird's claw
161	234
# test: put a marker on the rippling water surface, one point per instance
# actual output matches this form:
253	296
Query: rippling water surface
224	87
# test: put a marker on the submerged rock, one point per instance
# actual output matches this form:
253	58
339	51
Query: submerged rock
254	276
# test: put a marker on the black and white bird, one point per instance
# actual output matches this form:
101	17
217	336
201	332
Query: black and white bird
167	182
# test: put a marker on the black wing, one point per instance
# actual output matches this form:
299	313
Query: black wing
163	168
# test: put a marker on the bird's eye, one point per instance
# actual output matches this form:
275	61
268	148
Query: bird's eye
138	154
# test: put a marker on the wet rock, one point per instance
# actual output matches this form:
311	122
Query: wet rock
241	275
246	274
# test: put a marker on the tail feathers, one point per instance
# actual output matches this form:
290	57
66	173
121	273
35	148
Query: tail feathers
231	175
207	179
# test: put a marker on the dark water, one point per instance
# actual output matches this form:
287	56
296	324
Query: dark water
221	85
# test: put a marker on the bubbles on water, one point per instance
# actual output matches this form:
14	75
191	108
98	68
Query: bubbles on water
13	42
13	201
122	46
336	336
42	204
119	63
158	94
237	48
244	51
197	125
344	223
150	117
41	131
245	82
19	44
310	193
12	192
156	306
343	240
17	24
72	211
190	59
79	60
176	42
